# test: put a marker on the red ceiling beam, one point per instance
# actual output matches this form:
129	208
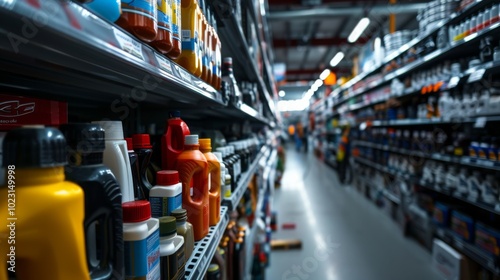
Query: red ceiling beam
335	41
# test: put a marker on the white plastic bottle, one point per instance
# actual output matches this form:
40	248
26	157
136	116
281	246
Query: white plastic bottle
172	254
444	105
141	236
166	196
116	157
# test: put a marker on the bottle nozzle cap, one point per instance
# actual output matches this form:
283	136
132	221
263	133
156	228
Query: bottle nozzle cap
175	114
130	145
191	139
167	226
136	211
113	129
205	143
167	177
141	141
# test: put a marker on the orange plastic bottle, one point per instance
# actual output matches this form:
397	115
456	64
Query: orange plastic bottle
176	50
214	188
189	55
163	42
205	44
193	170
218	57
140	18
172	142
44	236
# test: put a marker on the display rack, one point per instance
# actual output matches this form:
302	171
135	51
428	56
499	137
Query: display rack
462	160
204	249
469	250
453	49
232	201
236	47
81	58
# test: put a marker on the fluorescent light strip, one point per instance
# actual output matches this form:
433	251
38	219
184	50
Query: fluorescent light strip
336	59
324	74
358	30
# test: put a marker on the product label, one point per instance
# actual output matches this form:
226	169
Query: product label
164	14
188	42
472	152
482	153
142	258
128	44
163	206
164	63
173	266
145	8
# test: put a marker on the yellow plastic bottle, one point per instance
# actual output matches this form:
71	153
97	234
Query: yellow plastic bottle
45	239
189	56
214	188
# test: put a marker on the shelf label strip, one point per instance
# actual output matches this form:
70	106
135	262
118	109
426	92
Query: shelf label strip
128	44
164	64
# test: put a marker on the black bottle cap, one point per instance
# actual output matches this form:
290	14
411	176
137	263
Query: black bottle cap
85	143
29	147
174	114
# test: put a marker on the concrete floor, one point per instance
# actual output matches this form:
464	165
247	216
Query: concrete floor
344	236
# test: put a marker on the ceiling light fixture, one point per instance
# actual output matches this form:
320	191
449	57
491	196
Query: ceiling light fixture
336	59
324	74
358	30
281	93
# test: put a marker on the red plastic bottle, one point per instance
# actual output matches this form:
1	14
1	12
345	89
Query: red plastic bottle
140	18
172	142
163	42
193	170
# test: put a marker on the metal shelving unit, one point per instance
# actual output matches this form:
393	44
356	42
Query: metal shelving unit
469	250
237	47
204	249
83	59
418	64
462	160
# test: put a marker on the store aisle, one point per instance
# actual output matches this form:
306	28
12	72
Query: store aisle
344	236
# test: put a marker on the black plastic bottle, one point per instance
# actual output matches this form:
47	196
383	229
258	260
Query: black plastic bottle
144	150
134	164
103	200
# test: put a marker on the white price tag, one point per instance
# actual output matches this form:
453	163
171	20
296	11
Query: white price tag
487	163
476	76
453	82
480	122
164	63
128	44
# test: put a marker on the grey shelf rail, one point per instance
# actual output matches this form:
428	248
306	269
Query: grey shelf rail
460	160
204	250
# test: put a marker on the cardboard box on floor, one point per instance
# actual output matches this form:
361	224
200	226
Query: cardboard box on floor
451	264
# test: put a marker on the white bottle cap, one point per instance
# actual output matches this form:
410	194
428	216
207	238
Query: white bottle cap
113	130
191	139
218	155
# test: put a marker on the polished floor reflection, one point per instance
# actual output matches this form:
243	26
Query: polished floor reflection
344	236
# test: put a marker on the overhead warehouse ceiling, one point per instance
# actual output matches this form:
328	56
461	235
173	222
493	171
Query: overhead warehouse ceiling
307	34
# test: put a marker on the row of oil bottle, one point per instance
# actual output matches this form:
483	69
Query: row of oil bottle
86	208
183	30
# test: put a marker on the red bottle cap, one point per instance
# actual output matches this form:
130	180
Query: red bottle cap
167	177
141	141
130	145
136	211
